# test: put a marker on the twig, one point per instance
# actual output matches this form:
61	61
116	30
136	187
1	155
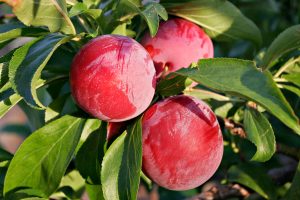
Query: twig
287	150
235	128
220	192
284	67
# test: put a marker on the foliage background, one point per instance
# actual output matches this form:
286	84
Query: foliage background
253	166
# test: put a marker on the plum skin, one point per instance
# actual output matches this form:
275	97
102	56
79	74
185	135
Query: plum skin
114	129
113	78
182	143
177	44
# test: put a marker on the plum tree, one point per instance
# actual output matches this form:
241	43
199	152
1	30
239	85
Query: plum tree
113	78
182	142
177	44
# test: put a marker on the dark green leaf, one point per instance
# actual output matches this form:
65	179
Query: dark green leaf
171	85
4	63
3	75
54	109
81	8
220	18
10	31
6	91
15	30
52	14
151	14
121	166
254	178
90	126
293	78
205	94
94	191
5	155
59	107
294	192
35	117
120	30
292	89
78	9
91	3
21	129
287	41
242	78
260	133
90	155
72	185
7	56
27	63
45	155
8	103
3	169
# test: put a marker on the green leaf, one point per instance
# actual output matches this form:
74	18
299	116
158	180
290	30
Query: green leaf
15	30
294	193
81	8
7	56
3	169
4	75
60	106
90	155
4	63
22	130
220	19
94	191
6	91
11	99
206	94
242	78
5	155
55	107
120	30
45	155
254	178
71	184
27	64
151	15
78	9
50	13
293	78
286	41
90	126
8	103
10	31
292	89
260	133
91	3
121	166
172	84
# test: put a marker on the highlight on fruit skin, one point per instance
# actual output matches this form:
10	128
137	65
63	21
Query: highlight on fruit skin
182	143
177	44
113	78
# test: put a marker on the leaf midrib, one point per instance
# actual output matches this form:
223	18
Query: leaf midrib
45	155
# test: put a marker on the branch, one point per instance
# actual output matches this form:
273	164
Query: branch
220	192
287	150
235	128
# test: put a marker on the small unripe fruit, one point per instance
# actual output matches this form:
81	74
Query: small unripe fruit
113	78
182	143
177	44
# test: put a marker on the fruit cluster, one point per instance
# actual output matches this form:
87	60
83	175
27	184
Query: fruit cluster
114	77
